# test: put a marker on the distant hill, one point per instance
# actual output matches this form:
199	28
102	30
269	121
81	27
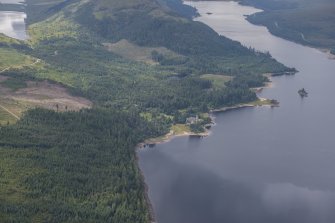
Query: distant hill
304	21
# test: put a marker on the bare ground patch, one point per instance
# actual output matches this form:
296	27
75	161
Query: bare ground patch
37	94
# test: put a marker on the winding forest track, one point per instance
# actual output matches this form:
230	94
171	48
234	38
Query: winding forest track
4	70
7	110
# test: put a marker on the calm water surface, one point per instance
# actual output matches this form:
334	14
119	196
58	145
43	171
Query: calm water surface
259	165
13	23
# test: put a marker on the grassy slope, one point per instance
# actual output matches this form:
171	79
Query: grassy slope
304	21
80	167
11	58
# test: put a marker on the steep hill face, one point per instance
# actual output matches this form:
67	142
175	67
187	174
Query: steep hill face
150	23
39	10
153	24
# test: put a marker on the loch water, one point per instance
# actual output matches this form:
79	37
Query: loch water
13	23
261	164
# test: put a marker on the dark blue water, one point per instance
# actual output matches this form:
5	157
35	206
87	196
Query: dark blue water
259	165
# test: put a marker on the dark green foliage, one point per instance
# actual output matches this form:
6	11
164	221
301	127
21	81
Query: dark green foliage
106	79
39	10
205	49
17	44
178	7
187	38
231	96
87	166
247	81
14	83
303	21
197	128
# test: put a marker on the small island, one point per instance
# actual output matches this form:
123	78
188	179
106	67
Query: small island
302	92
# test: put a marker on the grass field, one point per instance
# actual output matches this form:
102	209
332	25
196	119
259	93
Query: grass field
217	80
55	27
131	51
180	129
12	58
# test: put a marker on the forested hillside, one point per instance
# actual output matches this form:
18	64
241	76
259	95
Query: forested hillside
73	167
304	21
81	166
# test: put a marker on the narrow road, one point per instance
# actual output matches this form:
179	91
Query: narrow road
15	116
4	70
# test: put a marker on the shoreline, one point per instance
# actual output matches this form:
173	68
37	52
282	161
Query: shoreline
171	135
328	52
152	217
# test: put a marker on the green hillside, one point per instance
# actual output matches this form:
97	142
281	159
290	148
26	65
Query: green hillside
81	166
304	21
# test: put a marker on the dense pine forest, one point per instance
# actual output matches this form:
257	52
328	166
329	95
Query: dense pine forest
81	166
73	167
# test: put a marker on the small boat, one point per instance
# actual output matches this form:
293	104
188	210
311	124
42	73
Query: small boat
209	13
302	92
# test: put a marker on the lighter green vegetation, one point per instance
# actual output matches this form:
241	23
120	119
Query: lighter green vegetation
139	53
11	58
219	81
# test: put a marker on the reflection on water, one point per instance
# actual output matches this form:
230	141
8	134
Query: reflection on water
12	1
13	24
184	190
259	165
